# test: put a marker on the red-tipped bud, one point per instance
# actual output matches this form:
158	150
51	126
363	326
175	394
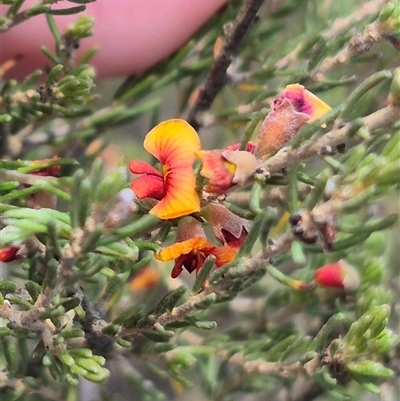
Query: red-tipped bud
8	254
338	275
51	171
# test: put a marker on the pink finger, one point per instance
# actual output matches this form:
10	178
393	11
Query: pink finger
132	35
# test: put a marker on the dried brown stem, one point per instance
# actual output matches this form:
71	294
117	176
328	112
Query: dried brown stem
358	45
270	197
266	368
338	26
30	319
216	77
282	370
18	320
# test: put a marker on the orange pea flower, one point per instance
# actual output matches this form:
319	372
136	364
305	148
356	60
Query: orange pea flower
192	253
193	248
294	107
173	143
225	168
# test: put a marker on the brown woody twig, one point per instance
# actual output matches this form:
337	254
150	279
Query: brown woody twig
358	45
338	26
216	77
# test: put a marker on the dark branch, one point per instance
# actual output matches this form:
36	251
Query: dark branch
3	140
216	77
309	392
92	323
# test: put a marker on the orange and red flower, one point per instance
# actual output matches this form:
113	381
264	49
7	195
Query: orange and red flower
225	168
294	107
193	248
173	143
192	253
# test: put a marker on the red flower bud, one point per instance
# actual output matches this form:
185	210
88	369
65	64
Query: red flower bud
338	275
51	171
8	254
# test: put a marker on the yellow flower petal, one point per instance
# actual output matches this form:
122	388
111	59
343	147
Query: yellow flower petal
181	198
174	143
173	251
